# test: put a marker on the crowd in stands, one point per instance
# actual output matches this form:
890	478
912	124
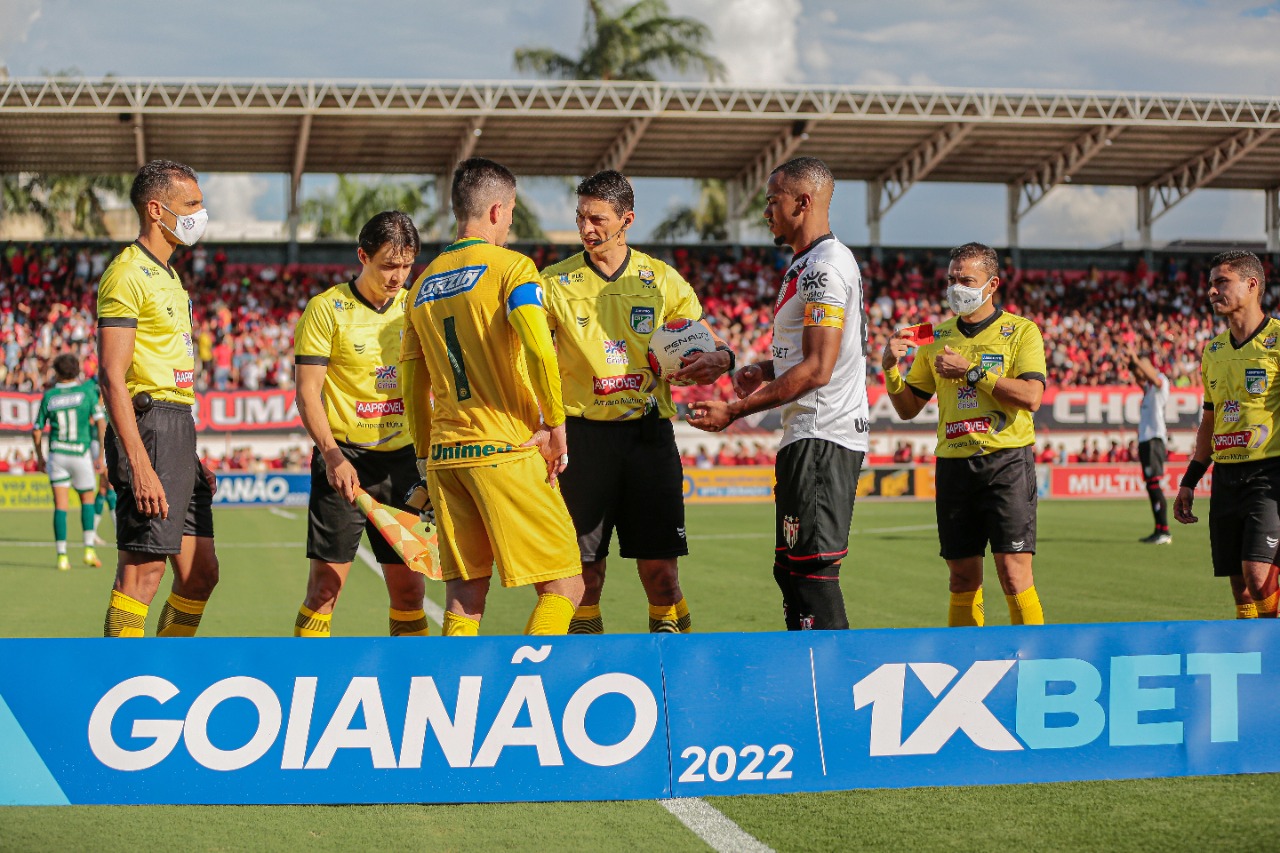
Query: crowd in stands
244	314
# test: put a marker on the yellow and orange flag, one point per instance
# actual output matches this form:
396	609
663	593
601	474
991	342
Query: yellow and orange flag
408	534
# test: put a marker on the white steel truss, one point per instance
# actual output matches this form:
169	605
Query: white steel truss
752	179
620	150
834	103
1178	183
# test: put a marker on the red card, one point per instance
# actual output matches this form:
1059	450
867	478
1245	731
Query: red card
920	335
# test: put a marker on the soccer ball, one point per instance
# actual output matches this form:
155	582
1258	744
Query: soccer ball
674	340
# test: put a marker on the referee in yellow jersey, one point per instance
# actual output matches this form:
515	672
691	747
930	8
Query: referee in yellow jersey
346	353
604	304
1240	371
482	386
987	368
147	373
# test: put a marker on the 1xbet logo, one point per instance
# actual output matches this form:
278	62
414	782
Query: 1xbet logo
1058	702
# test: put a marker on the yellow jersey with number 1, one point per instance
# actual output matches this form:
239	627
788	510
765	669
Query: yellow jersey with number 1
472	315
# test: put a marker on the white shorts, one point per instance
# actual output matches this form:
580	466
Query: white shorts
74	471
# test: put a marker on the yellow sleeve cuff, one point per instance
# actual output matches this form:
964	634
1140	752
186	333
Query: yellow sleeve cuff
893	381
987	383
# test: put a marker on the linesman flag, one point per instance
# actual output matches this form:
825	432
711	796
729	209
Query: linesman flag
408	534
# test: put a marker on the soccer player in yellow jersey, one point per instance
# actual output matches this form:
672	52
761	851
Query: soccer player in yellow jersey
987	368
147	373
603	305
1240	369
482	389
346	355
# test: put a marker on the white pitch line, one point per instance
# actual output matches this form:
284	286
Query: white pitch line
717	831
434	611
283	513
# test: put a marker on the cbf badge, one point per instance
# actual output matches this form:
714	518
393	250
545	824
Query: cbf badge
642	319
993	363
1255	380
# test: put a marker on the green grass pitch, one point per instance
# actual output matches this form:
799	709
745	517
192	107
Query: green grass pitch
1090	568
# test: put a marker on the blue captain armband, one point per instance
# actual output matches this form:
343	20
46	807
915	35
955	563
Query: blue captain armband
529	293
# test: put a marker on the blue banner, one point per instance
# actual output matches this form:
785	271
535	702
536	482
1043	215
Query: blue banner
630	717
257	489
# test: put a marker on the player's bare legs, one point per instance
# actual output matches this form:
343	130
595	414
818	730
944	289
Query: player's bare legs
466	597
966	574
195	568
138	575
1014	571
405	587
661	581
324	585
593	582
570	588
1257	578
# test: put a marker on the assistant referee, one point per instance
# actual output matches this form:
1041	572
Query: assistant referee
346	367
147	373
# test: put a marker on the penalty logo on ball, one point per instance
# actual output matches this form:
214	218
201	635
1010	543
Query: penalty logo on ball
676	340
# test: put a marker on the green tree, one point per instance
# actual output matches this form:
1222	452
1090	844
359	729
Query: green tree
707	219
68	205
343	211
629	45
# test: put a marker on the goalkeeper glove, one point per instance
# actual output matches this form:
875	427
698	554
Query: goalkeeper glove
419	498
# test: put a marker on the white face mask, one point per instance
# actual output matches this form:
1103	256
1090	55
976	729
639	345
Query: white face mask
190	228
965	300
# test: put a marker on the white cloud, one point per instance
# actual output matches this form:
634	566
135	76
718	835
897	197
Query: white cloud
17	17
757	40
231	197
1081	216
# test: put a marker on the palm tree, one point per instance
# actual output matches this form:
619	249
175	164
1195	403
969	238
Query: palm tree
628	46
707	219
67	205
345	210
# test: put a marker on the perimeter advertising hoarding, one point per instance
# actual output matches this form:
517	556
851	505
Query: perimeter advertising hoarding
631	716
1066	409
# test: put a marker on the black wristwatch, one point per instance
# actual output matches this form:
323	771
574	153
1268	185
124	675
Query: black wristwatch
974	375
733	359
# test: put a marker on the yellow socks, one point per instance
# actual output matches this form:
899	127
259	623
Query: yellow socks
1267	607
409	623
1024	608
311	624
587	620
669	619
1247	611
126	616
457	625
180	617
551	615
966	609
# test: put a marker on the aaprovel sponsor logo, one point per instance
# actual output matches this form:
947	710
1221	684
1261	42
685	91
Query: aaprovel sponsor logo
1228	440
379	408
614	384
955	429
184	378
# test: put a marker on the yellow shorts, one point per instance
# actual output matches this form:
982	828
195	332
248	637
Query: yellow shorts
504	514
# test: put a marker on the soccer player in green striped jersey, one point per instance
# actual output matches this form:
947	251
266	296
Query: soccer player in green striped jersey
69	414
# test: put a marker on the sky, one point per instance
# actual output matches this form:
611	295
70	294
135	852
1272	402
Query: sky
1193	46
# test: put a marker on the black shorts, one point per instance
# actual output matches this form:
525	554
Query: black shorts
168	433
987	499
333	525
625	475
1152	455
1244	515
813	506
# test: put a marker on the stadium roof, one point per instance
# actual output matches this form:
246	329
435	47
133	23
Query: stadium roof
1031	141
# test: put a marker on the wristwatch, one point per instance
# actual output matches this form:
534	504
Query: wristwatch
974	375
